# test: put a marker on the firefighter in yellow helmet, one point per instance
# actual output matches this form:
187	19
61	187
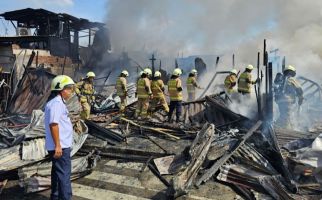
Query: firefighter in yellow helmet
144	94
121	89
157	87
289	90
231	81
85	91
245	81
175	93
192	85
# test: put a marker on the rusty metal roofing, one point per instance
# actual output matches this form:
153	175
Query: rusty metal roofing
31	93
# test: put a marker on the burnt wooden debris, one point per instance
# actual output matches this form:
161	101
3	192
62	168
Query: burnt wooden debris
212	147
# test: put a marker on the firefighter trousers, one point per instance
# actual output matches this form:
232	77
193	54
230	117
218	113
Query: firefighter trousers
142	107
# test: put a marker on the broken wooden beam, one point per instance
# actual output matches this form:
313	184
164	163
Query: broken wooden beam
150	128
210	172
198	152
103	133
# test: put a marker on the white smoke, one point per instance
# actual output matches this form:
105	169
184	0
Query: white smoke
221	27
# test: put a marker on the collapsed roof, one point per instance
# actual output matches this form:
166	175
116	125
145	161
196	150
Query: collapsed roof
32	18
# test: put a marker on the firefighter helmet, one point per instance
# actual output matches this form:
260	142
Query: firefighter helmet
90	74
233	71
194	71
290	68
177	72
148	71
157	74
60	82
125	73
250	67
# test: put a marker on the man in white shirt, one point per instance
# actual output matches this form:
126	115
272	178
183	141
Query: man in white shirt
59	137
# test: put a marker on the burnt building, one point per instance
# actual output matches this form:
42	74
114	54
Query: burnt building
57	42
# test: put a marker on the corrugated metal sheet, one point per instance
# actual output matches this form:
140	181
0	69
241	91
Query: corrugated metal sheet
32	92
37	177
34	150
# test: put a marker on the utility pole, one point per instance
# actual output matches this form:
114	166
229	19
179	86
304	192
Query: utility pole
152	61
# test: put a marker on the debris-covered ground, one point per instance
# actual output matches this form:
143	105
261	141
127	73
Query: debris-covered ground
213	154
216	151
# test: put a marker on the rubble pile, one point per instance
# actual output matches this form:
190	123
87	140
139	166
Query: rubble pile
211	144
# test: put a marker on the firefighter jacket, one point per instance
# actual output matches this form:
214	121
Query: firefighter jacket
291	89
245	82
157	87
191	84
230	82
175	89
85	90
143	88
121	86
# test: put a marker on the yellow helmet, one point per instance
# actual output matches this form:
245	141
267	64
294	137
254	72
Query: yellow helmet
250	67
290	68
177	72
141	72
60	82
194	71
148	71
90	74
233	71
125	72
157	74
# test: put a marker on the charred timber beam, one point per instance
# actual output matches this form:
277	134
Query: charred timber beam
280	163
269	96
157	174
125	152
150	128
259	94
106	134
198	152
210	172
153	141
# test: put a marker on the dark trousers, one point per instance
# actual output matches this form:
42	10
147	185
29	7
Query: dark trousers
175	105
61	188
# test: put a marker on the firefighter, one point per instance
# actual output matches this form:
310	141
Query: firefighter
245	81
144	94
157	87
175	93
85	91
286	95
121	89
230	82
192	85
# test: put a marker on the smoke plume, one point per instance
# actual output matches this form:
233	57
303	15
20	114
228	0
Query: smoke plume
221	28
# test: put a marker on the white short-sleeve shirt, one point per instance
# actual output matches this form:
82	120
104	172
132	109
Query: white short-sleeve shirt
56	112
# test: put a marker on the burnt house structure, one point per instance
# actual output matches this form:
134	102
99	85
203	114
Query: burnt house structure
57	42
56	32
